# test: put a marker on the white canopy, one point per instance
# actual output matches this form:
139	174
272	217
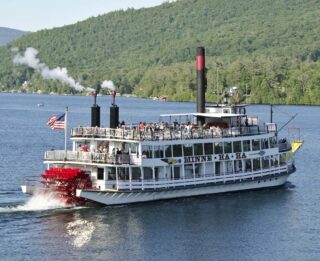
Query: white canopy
208	115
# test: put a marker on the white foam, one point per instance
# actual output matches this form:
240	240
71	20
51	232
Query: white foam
38	202
80	232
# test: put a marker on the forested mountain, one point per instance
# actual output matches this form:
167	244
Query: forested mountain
8	34
270	49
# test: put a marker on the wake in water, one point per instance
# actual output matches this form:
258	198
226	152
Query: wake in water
80	232
37	202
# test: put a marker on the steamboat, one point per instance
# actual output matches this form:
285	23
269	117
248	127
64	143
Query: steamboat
218	148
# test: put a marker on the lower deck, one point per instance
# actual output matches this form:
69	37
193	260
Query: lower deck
259	177
126	179
126	192
112	197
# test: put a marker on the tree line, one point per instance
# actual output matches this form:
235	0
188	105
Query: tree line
267	48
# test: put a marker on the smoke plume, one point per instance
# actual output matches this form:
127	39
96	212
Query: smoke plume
108	85
30	59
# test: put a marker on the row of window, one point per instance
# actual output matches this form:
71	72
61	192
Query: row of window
178	150
194	169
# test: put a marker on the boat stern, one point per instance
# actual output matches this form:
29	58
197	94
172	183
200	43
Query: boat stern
26	189
31	190
31	185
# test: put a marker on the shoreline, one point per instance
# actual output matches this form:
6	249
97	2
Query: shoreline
150	98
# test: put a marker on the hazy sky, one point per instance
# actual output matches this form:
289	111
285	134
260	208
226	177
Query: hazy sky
33	15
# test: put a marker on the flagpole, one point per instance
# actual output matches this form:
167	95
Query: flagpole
65	132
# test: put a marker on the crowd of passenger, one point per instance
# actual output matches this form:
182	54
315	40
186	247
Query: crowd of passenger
103	148
175	128
187	129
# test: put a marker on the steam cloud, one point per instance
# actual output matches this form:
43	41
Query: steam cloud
60	74
108	85
14	49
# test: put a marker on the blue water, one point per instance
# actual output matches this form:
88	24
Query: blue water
270	224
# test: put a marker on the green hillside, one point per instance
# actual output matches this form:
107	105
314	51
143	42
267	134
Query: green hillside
8	34
268	48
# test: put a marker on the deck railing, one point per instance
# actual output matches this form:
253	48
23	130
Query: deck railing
166	183
87	157
171	133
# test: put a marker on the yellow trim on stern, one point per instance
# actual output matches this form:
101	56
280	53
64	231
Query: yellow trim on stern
295	145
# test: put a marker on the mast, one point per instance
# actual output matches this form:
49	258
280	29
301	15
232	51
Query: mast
95	112
65	132
201	83
271	113
114	112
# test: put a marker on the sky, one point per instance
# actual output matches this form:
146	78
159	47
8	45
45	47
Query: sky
34	15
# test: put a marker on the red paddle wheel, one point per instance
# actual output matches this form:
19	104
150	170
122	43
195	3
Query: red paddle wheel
64	183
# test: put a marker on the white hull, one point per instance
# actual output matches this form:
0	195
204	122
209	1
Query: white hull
128	197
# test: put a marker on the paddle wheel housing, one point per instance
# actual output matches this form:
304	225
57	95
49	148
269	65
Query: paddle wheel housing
64	182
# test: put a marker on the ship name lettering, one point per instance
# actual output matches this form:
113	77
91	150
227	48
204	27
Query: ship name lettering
240	155
224	157
197	159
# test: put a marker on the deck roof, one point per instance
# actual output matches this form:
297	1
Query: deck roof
208	115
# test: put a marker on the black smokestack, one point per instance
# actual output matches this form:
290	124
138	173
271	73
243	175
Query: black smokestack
201	82
114	113
95	112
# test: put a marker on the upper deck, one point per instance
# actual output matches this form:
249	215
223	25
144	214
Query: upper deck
172	131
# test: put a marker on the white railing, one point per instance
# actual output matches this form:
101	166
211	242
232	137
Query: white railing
171	133
164	184
88	157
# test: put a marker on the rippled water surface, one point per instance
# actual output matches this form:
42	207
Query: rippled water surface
269	224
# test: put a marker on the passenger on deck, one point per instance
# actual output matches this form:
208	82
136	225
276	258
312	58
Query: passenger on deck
219	131
148	127
175	124
105	149
92	148
85	148
141	126
153	127
189	127
246	122
122	124
161	127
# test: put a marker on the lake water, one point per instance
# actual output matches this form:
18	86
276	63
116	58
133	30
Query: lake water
269	224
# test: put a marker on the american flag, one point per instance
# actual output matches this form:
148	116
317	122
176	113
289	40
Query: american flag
56	122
